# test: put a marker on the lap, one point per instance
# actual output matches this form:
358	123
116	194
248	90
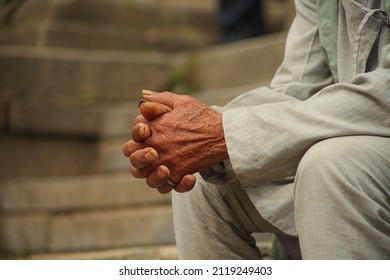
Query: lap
342	188
364	161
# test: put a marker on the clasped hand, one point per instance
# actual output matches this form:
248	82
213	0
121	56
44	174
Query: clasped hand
174	137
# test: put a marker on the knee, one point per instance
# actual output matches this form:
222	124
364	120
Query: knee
341	184
325	170
338	167
320	185
325	154
331	159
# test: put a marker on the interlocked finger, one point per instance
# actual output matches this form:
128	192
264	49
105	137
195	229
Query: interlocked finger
151	110
141	132
143	158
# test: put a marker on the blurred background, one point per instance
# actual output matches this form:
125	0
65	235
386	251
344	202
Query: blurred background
71	75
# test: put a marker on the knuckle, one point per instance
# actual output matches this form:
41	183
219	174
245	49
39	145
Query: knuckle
186	97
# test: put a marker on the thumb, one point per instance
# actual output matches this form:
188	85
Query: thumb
166	98
151	110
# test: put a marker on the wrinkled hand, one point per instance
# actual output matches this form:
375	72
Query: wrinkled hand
141	132
187	134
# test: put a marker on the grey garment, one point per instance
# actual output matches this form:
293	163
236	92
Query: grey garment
303	106
268	130
275	202
217	222
342	199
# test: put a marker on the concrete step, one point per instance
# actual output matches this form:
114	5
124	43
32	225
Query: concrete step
159	252
27	155
76	193
33	233
84	213
80	76
94	121
247	62
168	25
59	139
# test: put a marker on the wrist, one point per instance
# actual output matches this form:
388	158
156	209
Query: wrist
220	147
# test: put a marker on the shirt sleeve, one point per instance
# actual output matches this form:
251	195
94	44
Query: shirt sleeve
266	142
302	73
268	130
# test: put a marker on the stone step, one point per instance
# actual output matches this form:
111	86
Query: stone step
68	214
79	76
76	193
26	155
41	232
168	25
94	121
65	140
247	62
159	252
222	96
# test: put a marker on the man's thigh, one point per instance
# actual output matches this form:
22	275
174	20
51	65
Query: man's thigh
342	198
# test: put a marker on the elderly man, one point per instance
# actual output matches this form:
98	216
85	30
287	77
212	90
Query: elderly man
307	158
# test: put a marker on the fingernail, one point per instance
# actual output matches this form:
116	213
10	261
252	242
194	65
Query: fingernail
150	156
142	131
161	174
147	93
190	182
